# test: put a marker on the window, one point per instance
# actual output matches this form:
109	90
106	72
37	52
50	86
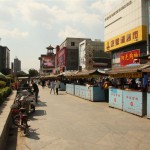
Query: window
72	43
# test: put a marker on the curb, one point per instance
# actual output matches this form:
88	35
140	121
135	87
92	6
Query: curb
5	119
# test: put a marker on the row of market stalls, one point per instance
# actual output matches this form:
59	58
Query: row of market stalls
135	100
83	84
87	85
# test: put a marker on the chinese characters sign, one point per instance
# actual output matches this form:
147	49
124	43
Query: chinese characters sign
133	102
128	57
127	75
129	37
115	98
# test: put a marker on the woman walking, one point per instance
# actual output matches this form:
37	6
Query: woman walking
52	86
57	84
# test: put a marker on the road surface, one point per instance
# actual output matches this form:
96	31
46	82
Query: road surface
66	122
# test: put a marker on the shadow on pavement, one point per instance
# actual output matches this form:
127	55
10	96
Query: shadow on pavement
41	104
33	134
39	113
62	93
12	138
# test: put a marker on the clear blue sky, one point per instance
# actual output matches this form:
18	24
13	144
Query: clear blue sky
27	27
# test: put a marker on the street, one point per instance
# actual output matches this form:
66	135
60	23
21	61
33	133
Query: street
66	122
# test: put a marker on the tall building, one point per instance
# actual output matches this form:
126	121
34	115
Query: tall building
92	55
67	55
4	58
17	65
126	33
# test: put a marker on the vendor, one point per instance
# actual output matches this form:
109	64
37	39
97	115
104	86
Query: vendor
106	89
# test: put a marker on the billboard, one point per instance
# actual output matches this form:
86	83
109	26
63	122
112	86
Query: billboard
48	61
127	58
125	25
61	58
129	37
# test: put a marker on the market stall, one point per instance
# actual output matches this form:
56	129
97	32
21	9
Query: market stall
147	70
88	89
129	97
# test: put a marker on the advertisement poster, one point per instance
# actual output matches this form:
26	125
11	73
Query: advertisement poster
127	58
48	62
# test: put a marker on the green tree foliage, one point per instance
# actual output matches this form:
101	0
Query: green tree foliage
33	73
2	84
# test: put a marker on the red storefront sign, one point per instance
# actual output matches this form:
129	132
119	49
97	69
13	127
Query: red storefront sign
127	58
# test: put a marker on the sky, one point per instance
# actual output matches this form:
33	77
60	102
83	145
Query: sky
27	27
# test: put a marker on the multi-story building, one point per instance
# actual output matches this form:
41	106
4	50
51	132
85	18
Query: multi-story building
67	55
92	55
17	65
4	58
126	32
47	62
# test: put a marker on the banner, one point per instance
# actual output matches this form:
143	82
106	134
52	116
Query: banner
127	58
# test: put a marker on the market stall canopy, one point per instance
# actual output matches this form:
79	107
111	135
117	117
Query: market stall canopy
70	73
87	73
133	71
49	76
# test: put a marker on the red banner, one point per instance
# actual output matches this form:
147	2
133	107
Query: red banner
129	57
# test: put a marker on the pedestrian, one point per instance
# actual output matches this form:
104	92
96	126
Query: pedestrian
52	86
106	89
43	83
57	85
35	90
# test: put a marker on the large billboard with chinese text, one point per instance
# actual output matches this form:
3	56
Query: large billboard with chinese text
127	38
127	58
125	25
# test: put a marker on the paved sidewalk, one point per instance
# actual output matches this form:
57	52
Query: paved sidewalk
66	122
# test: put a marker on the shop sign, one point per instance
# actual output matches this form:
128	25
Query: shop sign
127	75
127	58
129	37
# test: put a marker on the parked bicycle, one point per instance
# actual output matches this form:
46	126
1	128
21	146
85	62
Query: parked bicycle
21	120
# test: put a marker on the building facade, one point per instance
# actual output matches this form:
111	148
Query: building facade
126	32
67	55
92	55
4	58
17	65
47	62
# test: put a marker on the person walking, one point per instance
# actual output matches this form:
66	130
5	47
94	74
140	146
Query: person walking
52	86
43	83
57	84
35	90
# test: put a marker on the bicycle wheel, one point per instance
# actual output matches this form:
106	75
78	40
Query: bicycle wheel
25	128
16	120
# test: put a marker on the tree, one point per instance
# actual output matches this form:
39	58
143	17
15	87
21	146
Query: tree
6	71
33	73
